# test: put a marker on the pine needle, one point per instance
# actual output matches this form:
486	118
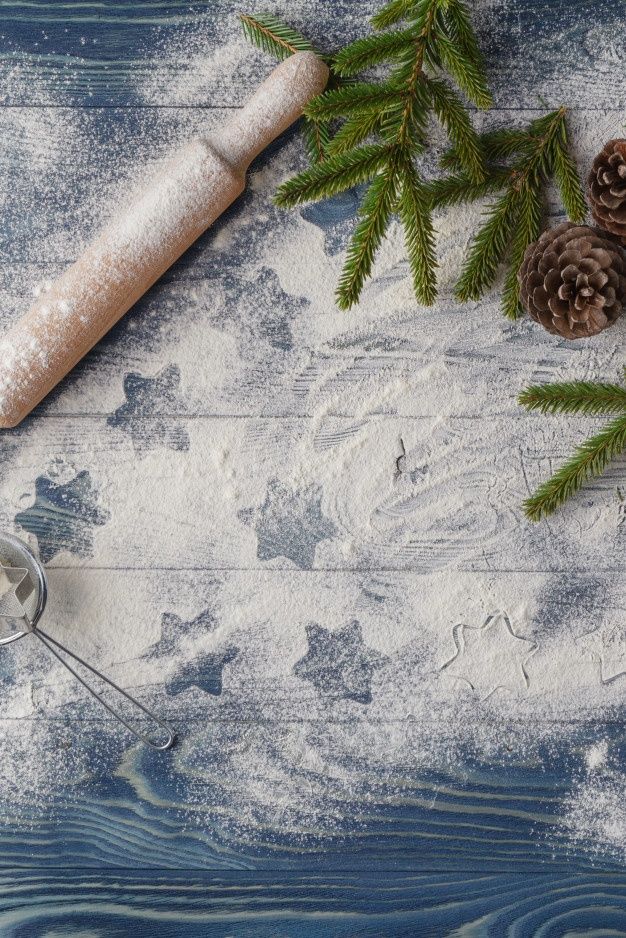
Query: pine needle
273	37
575	397
372	50
589	460
514	221
455	190
354	131
414	209
568	181
392	13
488	248
359	98
374	215
528	228
453	116
333	175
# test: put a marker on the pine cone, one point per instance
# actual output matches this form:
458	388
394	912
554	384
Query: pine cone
607	188
573	280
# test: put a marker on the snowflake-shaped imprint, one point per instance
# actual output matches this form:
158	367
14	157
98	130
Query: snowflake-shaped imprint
205	670
339	664
63	516
150	411
490	656
289	524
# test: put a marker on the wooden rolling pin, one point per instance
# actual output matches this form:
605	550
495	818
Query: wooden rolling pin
149	234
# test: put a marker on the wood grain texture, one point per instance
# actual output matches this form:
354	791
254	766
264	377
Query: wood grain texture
94	54
188	904
213	535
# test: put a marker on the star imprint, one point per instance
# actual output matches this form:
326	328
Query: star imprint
149	411
63	516
490	656
339	664
289	524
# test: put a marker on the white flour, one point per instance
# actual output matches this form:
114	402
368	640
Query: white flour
356	405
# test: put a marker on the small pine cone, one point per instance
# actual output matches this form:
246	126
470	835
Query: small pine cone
573	280
607	188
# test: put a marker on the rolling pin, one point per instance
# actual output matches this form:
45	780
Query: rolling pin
138	245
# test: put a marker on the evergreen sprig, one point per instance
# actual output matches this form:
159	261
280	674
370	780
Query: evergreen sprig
536	153
436	40
281	41
591	458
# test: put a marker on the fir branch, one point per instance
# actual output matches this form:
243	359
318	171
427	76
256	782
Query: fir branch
588	461
359	98
451	113
372	50
415	214
575	397
395	112
392	13
488	247
468	74
568	181
461	32
333	175
527	230
273	37
374	215
515	218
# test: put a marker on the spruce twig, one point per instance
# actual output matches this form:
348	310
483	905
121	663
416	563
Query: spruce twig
591	458
281	41
538	152
437	38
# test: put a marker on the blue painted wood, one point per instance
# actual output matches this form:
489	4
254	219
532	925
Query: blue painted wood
186	904
157	845
94	52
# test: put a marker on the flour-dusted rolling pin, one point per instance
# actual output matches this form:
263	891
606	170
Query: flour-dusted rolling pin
148	235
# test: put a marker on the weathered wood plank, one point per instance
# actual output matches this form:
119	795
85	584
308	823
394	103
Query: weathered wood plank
193	905
233	797
100	54
293	493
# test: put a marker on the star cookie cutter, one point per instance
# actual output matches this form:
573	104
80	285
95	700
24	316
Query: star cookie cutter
23	597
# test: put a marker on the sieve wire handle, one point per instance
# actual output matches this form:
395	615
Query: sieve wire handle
50	644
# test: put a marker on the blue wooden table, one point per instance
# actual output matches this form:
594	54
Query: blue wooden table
230	533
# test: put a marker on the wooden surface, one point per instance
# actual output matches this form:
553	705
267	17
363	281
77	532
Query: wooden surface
204	547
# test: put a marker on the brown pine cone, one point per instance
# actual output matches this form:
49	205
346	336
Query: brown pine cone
573	280
607	188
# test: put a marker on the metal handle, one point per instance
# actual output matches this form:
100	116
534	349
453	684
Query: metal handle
50	642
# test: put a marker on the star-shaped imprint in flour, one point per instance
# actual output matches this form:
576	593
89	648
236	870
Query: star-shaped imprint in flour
149	414
490	656
339	664
289	524
205	670
607	645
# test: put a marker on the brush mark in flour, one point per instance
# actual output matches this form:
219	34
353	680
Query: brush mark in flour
150	405
339	664
63	516
289	523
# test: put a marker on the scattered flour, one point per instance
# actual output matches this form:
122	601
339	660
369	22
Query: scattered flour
292	775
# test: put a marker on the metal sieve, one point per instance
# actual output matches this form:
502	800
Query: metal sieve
23	595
